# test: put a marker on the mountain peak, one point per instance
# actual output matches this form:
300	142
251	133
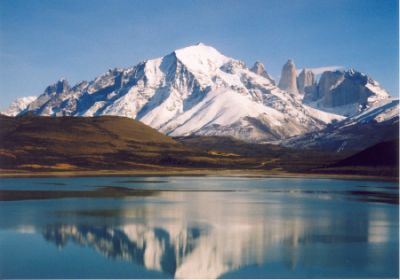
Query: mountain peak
288	77
60	86
305	79
199	47
258	65
201	58
19	105
259	69
351	71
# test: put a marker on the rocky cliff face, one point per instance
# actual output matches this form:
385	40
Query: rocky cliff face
327	81
344	92
305	79
259	69
288	81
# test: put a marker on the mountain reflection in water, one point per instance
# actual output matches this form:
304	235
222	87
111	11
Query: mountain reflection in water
207	228
180	252
198	236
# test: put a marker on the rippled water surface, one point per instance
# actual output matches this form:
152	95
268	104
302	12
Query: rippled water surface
202	227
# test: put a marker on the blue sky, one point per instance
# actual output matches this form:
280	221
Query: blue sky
42	41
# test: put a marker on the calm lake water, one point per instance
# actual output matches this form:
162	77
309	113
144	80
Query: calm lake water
203	227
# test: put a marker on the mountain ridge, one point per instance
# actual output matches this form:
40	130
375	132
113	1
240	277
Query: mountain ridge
199	91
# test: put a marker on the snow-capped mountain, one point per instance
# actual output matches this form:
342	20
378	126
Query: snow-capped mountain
18	105
194	90
199	91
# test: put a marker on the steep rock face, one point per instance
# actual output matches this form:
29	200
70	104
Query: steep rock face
329	81
259	69
18	105
191	91
51	97
310	94
288	81
344	92
305	79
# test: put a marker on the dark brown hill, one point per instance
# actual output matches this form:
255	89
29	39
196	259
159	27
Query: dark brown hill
98	142
381	159
382	154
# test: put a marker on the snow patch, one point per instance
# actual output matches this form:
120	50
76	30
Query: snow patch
18	105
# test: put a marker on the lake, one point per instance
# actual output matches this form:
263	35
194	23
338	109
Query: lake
202	227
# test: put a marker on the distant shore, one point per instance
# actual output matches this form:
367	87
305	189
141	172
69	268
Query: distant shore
189	172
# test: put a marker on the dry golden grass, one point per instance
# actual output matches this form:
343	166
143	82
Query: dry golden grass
218	153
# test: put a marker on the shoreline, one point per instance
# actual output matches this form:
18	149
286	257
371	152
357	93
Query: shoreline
190	173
